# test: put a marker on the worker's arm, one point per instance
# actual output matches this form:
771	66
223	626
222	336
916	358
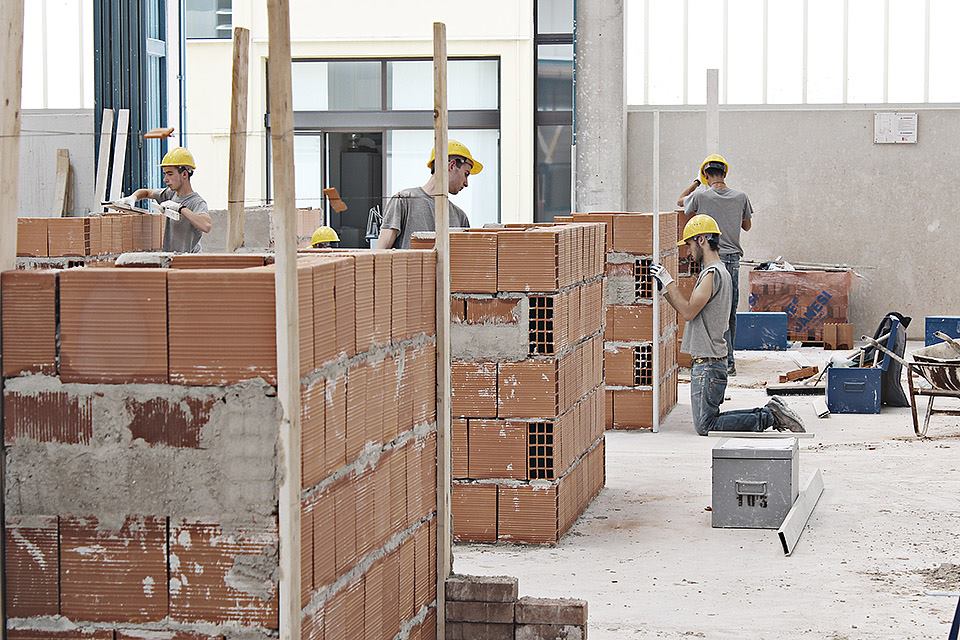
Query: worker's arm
387	238
746	224
687	192
140	194
201	220
747	216
689	309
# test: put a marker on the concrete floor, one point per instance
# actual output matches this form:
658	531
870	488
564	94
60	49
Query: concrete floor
645	557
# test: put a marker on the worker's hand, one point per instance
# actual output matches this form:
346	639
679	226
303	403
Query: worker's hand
167	208
130	201
662	276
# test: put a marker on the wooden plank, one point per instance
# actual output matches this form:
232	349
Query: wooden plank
60	191
236	178
799	374
796	389
119	154
11	82
442	246
796	520
288	331
820	408
763	435
656	258
103	158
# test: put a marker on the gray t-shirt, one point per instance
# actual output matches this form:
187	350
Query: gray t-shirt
703	336
412	210
729	208
180	236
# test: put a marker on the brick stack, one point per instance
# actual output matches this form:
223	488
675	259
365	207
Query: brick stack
140	432
88	236
628	350
527	344
488	607
810	299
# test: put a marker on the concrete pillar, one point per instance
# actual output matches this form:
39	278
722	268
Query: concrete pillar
600	106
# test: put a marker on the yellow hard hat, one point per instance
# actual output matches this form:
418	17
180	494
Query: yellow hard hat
698	225
178	157
713	157
455	148
324	234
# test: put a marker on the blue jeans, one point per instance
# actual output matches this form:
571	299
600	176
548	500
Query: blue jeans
708	383
732	262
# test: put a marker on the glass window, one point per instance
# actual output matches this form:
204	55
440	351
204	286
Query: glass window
208	18
744	53
704	47
865	57
633	44
554	144
407	154
471	84
336	85
307	167
666	52
785	51
944	16
555	77
825	52
555	16
906	54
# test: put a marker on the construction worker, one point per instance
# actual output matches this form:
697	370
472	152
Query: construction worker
732	211
411	210
187	214
324	238
706	314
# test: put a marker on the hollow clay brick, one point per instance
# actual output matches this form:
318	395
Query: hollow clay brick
29	308
32	237
460	611
474	509
558	611
498	449
32	566
550	632
474	389
48	416
481	588
473	262
473	630
492	310
216	260
527	514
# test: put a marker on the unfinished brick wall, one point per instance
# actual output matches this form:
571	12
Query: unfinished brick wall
89	235
628	348
527	344
140	433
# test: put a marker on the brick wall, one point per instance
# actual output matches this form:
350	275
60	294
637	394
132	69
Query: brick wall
527	342
88	236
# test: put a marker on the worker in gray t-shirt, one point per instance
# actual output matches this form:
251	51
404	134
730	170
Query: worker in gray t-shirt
188	217
706	314
732	211
412	210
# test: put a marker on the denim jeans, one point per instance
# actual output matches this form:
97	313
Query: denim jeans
732	262
708	383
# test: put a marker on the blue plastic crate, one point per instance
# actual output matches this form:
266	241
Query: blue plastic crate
761	331
853	390
950	325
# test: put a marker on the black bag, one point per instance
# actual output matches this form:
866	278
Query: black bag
891	390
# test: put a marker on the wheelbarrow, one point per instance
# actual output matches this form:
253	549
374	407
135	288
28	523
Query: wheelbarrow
939	365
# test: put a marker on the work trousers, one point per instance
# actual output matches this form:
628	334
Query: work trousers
708	383
732	262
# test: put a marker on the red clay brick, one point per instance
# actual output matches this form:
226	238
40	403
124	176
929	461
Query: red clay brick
481	588
32	567
324	540
344	614
474	389
492	311
498	449
29	308
345	521
473	262
48	416
527	514
489	612
32	237
558	611
158	421
474	512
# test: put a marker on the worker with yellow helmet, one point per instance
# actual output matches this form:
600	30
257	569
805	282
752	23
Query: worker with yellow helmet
188	216
411	210
733	212
324	237
706	314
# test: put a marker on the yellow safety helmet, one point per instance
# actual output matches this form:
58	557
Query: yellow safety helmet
178	157
324	234
455	148
713	157
698	225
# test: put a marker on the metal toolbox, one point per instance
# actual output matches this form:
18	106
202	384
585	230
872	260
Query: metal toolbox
853	390
755	481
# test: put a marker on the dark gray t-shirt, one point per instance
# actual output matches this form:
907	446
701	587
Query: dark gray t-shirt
729	208
412	210
179	236
703	336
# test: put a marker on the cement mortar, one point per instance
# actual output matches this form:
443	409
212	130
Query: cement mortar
621	290
493	341
230	479
255	575
165	629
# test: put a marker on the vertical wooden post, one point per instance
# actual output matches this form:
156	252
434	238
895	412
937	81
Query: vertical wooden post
61	189
236	178
656	258
11	81
442	222
103	157
119	154
713	111
288	331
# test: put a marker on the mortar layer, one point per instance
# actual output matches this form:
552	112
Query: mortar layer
492	341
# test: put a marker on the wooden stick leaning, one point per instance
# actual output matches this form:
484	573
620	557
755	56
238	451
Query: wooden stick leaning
236	178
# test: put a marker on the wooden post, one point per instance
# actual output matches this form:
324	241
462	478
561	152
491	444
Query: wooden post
11	80
62	188
119	154
103	157
713	111
288	331
236	178
656	258
442	223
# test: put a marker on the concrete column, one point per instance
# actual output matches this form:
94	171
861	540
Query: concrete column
600	106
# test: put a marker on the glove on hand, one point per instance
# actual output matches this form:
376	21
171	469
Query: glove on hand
662	276
129	201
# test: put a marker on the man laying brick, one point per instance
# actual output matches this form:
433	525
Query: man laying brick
412	210
706	314
732	211
187	213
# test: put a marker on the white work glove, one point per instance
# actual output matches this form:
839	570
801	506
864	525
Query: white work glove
130	201
167	208
662	276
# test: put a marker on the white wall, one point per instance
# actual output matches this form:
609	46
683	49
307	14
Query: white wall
38	160
375	29
823	192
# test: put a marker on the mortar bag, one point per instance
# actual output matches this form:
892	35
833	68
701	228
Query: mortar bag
891	390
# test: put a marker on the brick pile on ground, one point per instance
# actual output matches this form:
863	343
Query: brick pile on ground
628	348
140	432
527	345
488	607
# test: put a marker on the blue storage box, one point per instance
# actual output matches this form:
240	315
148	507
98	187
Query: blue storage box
950	325
761	331
853	390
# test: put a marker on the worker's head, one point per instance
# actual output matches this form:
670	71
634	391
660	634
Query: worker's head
460	165
324	238
713	169
177	166
702	235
